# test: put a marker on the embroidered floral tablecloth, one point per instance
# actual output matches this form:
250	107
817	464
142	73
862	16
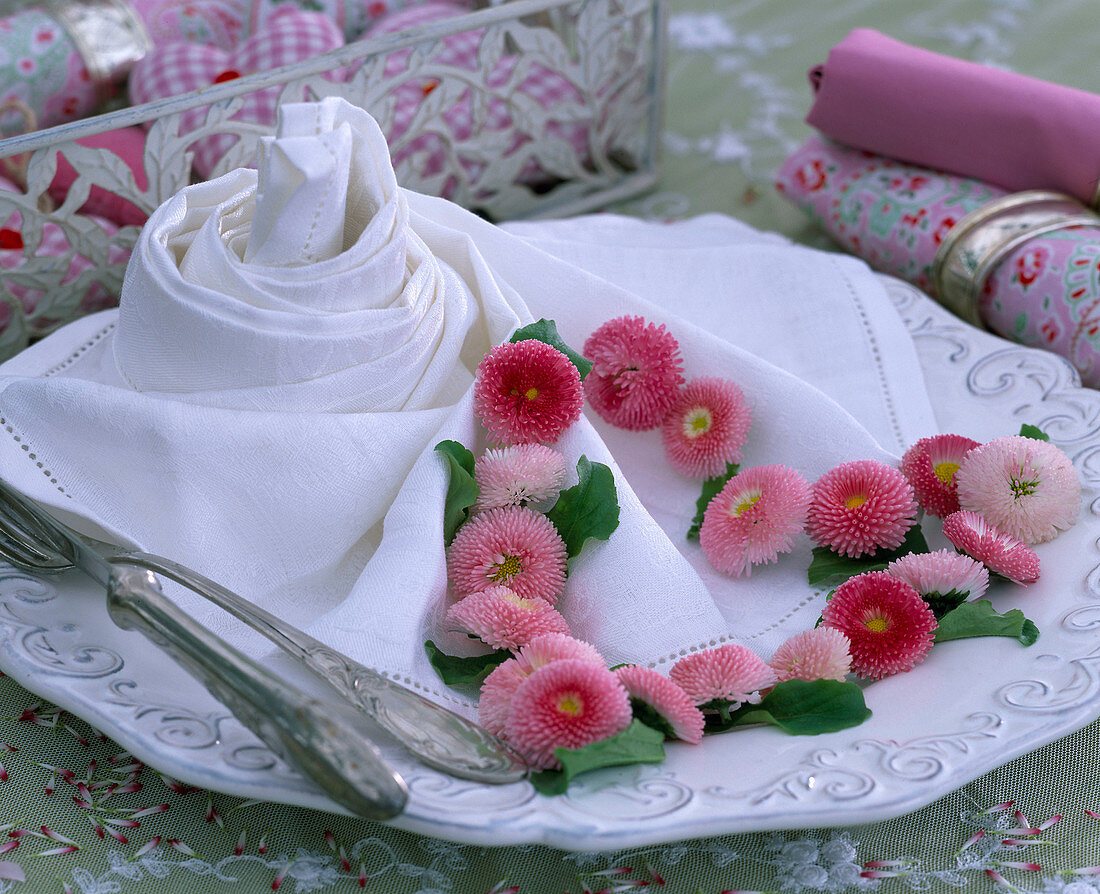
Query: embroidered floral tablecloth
78	814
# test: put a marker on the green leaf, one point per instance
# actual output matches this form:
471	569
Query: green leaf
547	331
1033	432
829	569
980	619
711	488
590	508
802	708
942	603
462	490
637	744
471	671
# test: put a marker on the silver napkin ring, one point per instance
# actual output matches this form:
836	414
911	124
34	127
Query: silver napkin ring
980	241
108	35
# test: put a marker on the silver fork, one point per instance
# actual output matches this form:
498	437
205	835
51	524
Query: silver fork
34	540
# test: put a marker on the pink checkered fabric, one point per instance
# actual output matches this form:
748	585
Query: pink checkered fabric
13	257
546	87
290	36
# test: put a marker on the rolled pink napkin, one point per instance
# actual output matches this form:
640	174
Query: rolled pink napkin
1018	132
1044	293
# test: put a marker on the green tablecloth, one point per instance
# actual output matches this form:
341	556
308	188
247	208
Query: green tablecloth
736	97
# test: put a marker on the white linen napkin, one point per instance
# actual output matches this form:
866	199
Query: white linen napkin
292	343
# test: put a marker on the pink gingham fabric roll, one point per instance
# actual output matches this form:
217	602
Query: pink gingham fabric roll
16	266
548	88
1045	293
1018	132
179	67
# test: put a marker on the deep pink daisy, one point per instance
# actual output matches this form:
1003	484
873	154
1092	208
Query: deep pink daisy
494	706
527	391
861	506
1024	487
941	572
706	427
513	547
518	475
889	627
930	465
820	653
754	518
663	697
499	688
1001	553
636	372
566	704
728	673
504	620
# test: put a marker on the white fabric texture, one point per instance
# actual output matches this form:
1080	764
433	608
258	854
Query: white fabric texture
264	404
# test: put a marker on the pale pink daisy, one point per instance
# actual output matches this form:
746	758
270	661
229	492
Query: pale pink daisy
494	706
754	518
527	391
820	653
498	689
725	673
889	627
518	475
1001	553
658	694
513	547
565	704
930	465
861	506
706	427
1025	487
500	618
941	573
636	372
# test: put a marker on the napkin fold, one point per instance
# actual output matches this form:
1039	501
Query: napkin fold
1019	132
264	407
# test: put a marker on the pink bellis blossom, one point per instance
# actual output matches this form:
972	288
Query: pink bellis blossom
1001	553
659	695
706	427
930	465
861	506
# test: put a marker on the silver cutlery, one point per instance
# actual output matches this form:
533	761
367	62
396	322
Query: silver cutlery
34	540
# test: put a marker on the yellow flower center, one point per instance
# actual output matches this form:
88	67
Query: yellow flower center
877	625
945	471
531	393
570	704
507	568
747	502
697	421
855	501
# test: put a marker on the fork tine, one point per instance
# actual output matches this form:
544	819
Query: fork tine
20	546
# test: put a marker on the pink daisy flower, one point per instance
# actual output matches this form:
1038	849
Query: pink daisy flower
664	698
504	620
940	573
754	518
499	688
861	506
706	427
820	653
1024	487
930	465
889	627
527	391
1001	553
513	547
566	704
636	372
494	706
515	476
726	673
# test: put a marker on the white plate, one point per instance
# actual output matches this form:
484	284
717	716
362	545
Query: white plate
970	707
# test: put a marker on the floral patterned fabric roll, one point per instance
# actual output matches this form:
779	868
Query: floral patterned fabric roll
1045	293
43	80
